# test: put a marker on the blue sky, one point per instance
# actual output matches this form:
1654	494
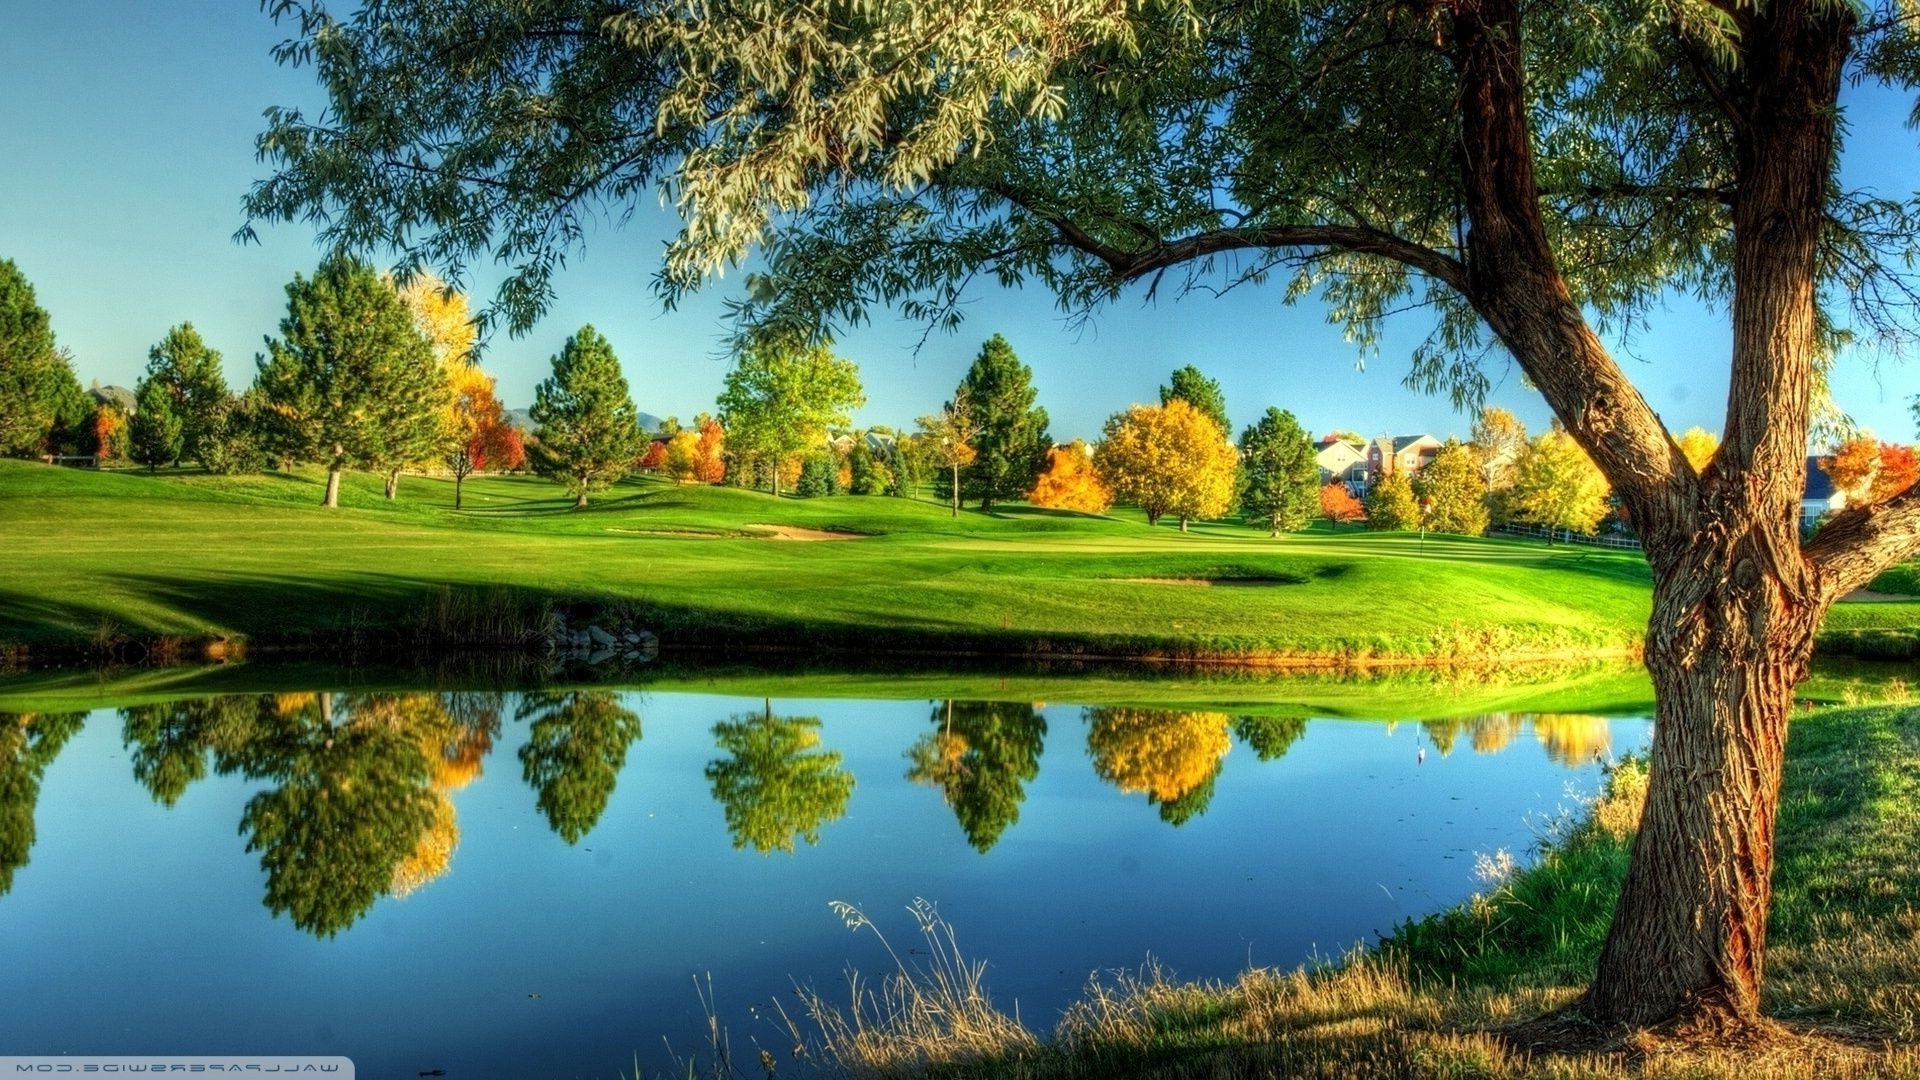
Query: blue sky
126	143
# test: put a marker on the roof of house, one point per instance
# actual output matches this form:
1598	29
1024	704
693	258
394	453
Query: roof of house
1819	484
1401	442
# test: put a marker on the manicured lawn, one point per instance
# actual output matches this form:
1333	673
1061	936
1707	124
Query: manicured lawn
95	555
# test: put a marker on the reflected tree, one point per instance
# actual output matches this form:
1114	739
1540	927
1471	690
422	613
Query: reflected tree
1171	757
1269	737
1494	732
775	786
1572	739
353	802
575	750
1444	734
172	743
28	744
981	755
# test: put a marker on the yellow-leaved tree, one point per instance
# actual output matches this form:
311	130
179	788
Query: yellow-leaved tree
1558	486
1171	757
1699	445
1168	459
1070	481
474	426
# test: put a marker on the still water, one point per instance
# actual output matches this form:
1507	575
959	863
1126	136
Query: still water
529	884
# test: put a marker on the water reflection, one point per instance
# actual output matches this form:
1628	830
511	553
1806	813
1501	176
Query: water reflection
28	744
981	755
774	785
1172	757
575	750
359	795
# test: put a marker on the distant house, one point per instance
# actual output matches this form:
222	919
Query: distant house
1341	462
1390	454
1820	497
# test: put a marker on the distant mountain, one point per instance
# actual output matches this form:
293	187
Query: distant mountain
521	419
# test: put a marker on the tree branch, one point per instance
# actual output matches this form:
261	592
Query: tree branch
1858	544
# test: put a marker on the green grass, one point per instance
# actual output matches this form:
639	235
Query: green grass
98	556
1434	999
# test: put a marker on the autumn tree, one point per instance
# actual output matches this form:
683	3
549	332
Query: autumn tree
349	379
192	374
474	426
1392	506
709	459
677	460
1869	472
1699	445
1171	757
109	433
1168	459
1338	505
154	437
1191	385
947	437
1520	173
476	429
1010	439
1559	487
781	396
1281	473
36	379
589	431
1071	481
1452	491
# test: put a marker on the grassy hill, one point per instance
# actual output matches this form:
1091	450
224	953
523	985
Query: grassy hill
96	556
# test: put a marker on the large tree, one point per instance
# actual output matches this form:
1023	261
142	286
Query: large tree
155	436
1452	492
589	431
1531	175
1282	476
1010	438
1168	459
192	374
37	385
349	377
780	398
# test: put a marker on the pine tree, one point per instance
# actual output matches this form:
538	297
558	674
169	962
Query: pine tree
1190	385
1011	442
35	380
349	374
589	430
155	434
1282	475
191	372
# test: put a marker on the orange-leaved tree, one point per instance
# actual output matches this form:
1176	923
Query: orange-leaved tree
1338	505
1071	482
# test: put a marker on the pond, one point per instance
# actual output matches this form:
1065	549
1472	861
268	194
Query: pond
541	883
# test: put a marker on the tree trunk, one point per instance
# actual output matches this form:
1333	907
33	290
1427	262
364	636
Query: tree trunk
332	497
1727	643
393	483
458	478
1183	523
956	491
580	498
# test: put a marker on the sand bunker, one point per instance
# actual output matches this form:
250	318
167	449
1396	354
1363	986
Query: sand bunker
794	532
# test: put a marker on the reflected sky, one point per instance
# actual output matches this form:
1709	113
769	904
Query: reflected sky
523	884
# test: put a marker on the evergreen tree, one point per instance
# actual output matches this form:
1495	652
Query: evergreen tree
1391	506
234	445
589	431
1191	386
1454	491
155	437
870	474
1011	443
349	374
816	476
1277	459
191	372
35	379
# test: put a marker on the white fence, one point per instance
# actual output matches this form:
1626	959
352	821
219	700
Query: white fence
1565	536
